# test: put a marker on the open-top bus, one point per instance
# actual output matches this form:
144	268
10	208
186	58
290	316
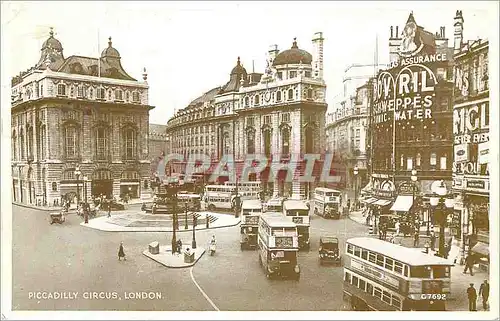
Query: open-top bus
327	202
250	213
278	246
297	211
383	276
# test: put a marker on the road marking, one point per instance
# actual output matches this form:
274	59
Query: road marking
201	290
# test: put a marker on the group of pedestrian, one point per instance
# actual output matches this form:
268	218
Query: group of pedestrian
484	293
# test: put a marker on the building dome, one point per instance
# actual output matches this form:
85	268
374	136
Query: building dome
52	42
238	69
110	51
293	55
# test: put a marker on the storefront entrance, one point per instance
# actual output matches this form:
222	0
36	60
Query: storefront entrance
102	186
132	191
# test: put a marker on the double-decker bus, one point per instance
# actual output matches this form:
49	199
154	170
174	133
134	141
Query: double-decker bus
218	196
297	211
383	276
327	202
191	200
275	204
247	190
250	213
278	246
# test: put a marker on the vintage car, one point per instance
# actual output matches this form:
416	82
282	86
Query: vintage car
329	250
115	206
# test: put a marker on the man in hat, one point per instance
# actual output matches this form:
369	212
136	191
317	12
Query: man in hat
472	296
484	292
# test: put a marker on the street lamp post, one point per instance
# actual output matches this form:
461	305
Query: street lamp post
77	175
193	243
186	216
355	172
414	179
440	197
174	236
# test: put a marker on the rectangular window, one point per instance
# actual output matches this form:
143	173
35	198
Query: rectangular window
369	288
380	260
267	119
389	264
293	74
130	144
118	94
101	144
396	302
377	292
136	97
433	159
362	284
372	257
355	281
101	93
350	249
398	267
386	297
285	117
280	75
61	90
357	251
409	163
364	254
358	132
250	121
443	162
70	134
81	91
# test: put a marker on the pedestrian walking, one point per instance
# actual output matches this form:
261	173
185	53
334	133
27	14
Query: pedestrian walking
384	231
85	214
416	239
121	253
109	210
472	296
397	226
469	263
484	292
179	246
348	204
433	239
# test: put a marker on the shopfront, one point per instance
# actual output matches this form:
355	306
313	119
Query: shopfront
129	184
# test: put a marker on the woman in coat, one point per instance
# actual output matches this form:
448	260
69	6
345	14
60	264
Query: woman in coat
121	253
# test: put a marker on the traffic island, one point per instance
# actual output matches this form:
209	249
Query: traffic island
176	260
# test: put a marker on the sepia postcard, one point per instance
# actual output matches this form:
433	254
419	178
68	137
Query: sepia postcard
250	160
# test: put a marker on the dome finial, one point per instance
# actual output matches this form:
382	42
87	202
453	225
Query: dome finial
294	45
238	63
145	74
109	42
51	33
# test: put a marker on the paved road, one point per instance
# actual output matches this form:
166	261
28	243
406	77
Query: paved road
71	258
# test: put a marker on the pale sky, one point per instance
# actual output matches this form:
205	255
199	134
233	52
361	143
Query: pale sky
190	47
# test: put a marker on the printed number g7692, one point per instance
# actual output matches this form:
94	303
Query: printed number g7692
433	296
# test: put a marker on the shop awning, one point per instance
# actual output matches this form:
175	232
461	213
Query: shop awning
481	249
367	188
382	202
369	200
403	203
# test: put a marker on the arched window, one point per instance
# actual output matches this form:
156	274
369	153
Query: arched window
285	141
309	93
101	143
130	144
418	160
433	159
256	100
402	161
278	95
71	141
251	142
118	94
81	91
136	97
267	142
91	93
54	187
61	90
443	162
21	144
309	141
29	133
290	94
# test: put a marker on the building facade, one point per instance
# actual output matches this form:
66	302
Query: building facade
411	121
471	144
158	141
280	114
78	113
346	134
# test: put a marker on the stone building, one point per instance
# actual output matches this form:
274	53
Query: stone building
471	119
158	141
79	128
279	113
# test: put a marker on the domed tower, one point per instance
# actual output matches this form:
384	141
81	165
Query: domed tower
291	62
110	52
238	74
52	51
